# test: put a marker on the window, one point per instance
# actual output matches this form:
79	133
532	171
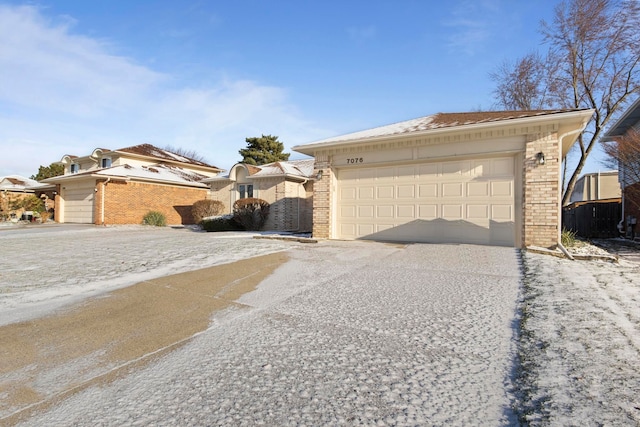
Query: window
245	190
105	162
75	167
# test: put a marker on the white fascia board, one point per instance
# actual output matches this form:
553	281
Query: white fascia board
582	116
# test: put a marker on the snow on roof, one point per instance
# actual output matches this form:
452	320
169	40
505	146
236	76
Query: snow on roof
159	172
159	153
19	183
303	168
438	121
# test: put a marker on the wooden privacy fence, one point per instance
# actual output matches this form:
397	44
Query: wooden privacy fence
593	219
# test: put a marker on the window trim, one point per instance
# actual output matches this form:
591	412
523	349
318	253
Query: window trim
245	191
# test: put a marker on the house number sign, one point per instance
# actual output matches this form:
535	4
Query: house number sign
353	160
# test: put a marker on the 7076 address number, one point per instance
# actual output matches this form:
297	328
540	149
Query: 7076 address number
354	160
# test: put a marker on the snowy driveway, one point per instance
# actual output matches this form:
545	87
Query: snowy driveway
345	333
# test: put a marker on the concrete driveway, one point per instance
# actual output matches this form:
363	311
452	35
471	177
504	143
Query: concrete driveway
344	333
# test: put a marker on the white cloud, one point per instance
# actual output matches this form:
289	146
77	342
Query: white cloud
471	25
68	94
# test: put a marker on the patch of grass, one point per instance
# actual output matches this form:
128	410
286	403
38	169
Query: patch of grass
568	238
155	218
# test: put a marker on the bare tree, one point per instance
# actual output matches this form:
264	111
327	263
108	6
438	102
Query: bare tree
624	153
592	62
522	85
190	154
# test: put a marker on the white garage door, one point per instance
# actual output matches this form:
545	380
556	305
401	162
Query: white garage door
78	202
462	201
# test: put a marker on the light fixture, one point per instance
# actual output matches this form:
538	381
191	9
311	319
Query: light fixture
319	174
540	158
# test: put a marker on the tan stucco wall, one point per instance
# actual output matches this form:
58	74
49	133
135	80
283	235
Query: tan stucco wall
290	201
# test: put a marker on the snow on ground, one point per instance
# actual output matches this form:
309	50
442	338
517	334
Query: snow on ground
580	342
356	333
44	267
346	333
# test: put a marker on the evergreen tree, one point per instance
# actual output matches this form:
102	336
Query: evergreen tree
54	169
263	150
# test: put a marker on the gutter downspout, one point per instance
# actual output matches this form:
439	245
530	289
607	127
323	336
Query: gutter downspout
104	189
562	248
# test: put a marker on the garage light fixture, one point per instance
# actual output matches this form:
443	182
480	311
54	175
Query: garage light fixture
319	175
540	158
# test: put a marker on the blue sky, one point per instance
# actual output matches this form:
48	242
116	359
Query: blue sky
204	75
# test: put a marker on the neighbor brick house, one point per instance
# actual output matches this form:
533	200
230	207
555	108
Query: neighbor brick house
483	177
628	174
287	186
122	186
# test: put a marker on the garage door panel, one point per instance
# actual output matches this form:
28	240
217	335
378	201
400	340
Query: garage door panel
502	188
478	212
478	189
348	193
457	201
502	213
431	170
502	167
406	172
348	211
384	173
366	211
450	212
386	192
456	168
406	191
385	211
365	229
428	211
453	189
406	211
427	190
366	193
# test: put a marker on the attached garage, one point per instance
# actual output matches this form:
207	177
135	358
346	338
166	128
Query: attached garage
77	202
470	200
488	178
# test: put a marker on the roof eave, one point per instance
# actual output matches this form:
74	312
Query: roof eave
630	117
583	115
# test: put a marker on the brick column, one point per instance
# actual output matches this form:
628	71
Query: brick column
322	199
541	194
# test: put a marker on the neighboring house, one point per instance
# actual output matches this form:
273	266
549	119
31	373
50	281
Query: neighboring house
286	186
594	208
483	177
13	188
628	174
122	186
596	186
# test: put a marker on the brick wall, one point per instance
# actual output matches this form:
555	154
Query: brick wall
541	193
129	202
322	199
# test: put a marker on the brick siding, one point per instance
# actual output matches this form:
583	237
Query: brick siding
322	199
129	202
541	192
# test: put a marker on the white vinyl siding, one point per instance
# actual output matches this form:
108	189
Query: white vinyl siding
460	201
